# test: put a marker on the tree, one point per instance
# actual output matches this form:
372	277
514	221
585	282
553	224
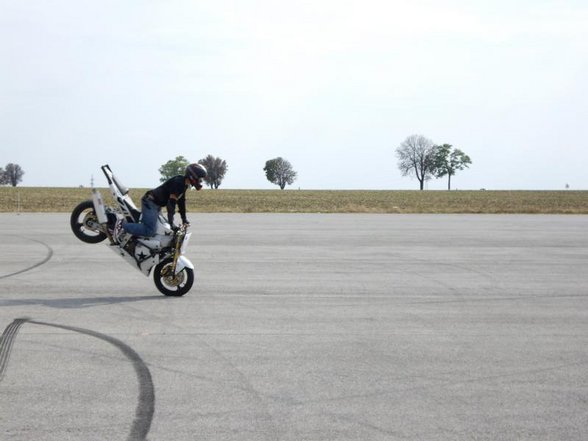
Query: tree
173	168
416	156
216	168
279	171
12	174
448	161
3	177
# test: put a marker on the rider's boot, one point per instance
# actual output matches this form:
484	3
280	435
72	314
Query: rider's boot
118	232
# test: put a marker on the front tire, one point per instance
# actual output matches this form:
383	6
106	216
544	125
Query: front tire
84	223
169	284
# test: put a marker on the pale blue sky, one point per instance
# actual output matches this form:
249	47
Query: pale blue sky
332	86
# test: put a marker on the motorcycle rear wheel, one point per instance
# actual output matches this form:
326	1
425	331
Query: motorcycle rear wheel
169	284
84	223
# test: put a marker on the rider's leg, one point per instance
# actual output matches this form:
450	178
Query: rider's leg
148	225
150	217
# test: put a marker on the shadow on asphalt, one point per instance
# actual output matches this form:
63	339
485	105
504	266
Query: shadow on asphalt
80	302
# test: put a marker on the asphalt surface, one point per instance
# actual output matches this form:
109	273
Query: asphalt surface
301	327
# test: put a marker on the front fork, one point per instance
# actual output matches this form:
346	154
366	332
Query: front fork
177	250
179	260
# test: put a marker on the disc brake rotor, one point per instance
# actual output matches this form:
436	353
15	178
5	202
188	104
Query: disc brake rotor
171	279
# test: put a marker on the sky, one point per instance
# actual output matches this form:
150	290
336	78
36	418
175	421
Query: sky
333	86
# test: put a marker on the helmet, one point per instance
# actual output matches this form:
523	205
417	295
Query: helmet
195	173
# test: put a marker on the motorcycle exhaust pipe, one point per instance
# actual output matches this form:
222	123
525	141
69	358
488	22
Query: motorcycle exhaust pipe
99	207
100	211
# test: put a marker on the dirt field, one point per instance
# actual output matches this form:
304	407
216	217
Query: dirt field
43	199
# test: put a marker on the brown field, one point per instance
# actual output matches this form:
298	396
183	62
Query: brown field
44	199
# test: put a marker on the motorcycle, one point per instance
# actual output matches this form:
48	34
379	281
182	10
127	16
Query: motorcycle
163	254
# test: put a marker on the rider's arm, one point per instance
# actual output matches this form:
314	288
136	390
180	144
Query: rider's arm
171	209
177	188
182	208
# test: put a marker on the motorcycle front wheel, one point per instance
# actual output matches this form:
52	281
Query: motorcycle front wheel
170	284
84	223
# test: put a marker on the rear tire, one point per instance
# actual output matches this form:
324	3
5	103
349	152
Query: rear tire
84	223
169	284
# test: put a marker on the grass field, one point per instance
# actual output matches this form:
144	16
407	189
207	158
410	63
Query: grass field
43	199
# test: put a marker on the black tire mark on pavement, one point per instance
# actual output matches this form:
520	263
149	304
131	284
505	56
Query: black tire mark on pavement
6	343
45	260
146	400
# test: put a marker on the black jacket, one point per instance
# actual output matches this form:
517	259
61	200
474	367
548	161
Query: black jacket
162	197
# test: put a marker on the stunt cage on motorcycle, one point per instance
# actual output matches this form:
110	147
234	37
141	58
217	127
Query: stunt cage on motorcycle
163	254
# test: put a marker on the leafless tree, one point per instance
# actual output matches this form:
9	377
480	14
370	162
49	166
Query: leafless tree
416	156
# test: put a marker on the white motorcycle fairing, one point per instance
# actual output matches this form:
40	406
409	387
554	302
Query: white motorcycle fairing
162	255
183	262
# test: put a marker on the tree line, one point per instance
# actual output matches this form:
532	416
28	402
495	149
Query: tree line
278	171
417	156
216	167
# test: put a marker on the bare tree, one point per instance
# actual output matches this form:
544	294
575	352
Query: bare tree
216	168
12	174
416	156
3	177
280	172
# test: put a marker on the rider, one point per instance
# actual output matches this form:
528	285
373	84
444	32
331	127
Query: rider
170	193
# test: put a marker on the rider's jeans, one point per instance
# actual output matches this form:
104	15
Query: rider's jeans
148	225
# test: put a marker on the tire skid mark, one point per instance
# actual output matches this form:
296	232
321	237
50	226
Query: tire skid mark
7	341
146	400
42	262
